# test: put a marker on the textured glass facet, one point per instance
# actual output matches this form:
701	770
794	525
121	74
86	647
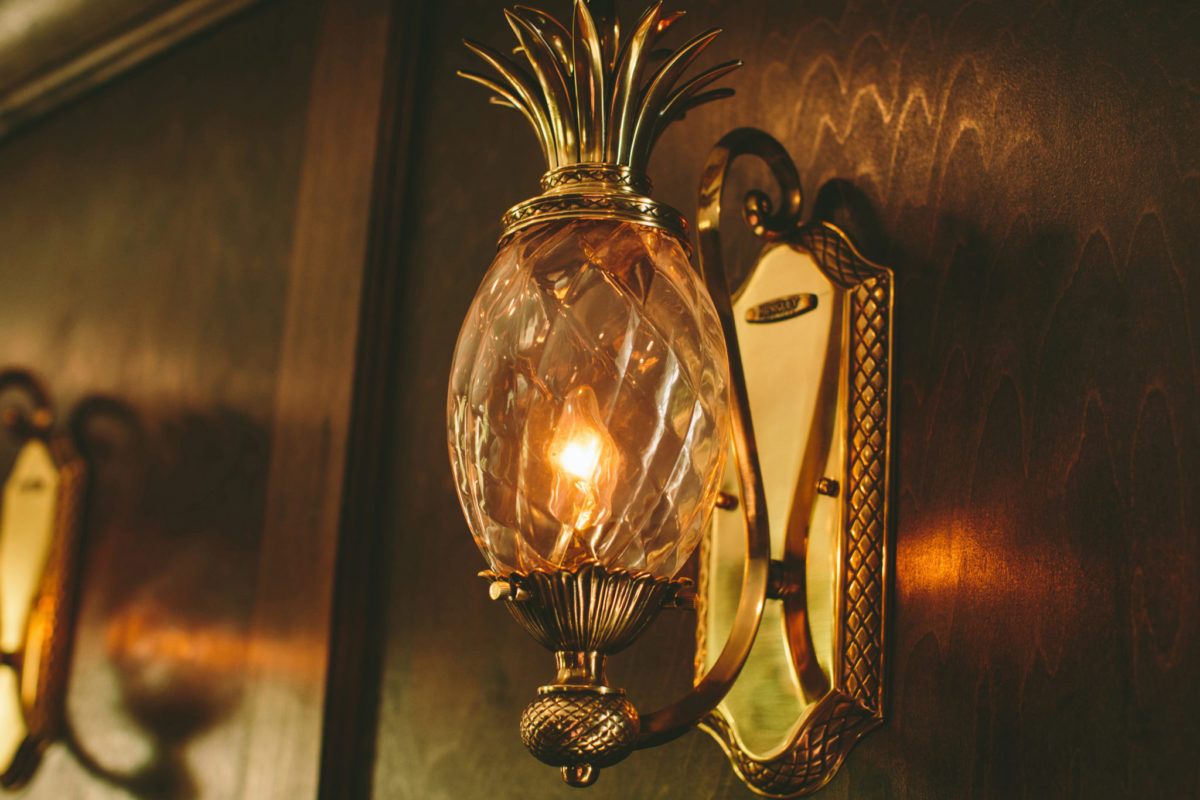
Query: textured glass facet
587	408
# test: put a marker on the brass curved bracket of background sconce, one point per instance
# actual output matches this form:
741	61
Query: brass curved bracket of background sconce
40	523
811	331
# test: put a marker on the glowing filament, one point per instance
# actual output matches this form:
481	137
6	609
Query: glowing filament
584	459
580	458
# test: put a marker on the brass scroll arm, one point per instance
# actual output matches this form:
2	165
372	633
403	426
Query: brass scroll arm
24	424
676	719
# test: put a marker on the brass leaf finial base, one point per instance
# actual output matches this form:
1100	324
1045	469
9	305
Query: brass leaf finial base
587	609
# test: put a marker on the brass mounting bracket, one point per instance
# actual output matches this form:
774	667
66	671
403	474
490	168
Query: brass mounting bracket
40	527
810	334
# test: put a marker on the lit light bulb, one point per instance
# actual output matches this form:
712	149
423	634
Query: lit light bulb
585	460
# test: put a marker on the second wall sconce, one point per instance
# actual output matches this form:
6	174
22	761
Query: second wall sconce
41	512
598	386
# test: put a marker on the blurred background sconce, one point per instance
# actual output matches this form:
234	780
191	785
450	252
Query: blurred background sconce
40	514
599	385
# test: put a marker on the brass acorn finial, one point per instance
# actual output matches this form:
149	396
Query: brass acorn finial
593	98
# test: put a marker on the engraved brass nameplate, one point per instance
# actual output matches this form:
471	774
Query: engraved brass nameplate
781	308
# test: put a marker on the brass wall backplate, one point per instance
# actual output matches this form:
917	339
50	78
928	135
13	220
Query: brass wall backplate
41	511
814	333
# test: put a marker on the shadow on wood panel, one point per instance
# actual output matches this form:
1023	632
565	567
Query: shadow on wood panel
170	568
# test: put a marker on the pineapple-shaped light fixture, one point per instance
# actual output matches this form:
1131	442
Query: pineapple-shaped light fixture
588	400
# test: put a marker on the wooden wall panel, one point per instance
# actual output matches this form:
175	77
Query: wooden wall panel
181	258
1034	168
144	266
51	51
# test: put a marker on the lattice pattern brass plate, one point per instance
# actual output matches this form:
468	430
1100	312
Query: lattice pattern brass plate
855	704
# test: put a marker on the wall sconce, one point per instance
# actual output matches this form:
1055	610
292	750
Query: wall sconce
597	386
40	514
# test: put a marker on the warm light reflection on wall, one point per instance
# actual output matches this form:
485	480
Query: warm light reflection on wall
954	556
146	637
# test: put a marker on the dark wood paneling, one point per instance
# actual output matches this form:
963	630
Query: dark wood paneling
50	51
313	402
146	243
1034	168
181	258
352	697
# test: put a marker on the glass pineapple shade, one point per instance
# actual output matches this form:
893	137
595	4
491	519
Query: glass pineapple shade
587	409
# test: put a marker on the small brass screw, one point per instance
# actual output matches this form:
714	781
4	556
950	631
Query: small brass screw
828	487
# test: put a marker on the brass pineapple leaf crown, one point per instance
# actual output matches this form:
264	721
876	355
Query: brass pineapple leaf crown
589	99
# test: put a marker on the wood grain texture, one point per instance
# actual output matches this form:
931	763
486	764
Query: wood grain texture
313	403
352	696
1035	169
51	52
180	257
